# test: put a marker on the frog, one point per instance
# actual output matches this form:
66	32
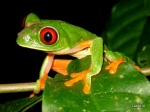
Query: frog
57	37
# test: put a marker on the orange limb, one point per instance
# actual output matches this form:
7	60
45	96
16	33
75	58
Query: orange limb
80	76
46	66
112	67
60	66
41	83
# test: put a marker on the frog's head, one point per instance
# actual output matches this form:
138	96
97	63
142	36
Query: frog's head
42	34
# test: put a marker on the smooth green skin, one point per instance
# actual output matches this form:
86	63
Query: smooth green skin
113	56
69	37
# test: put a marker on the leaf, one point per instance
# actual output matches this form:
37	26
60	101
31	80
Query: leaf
144	42
144	57
19	104
147	6
125	26
127	90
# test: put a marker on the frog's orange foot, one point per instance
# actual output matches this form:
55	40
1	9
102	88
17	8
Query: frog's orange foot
77	77
40	83
32	95
112	67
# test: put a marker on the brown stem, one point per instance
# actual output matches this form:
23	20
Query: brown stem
26	87
17	87
145	71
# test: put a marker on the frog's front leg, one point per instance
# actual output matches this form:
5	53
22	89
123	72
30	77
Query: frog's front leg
113	66
114	59
96	49
57	65
46	66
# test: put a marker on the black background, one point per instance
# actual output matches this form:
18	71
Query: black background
23	65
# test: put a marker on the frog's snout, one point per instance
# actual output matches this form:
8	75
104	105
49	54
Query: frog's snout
19	35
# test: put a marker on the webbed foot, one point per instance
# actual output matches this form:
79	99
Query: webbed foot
113	66
77	77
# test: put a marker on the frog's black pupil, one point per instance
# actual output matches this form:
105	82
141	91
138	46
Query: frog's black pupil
47	36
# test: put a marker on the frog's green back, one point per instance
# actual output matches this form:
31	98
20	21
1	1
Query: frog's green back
73	34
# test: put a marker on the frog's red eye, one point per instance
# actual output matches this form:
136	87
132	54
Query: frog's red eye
48	36
23	22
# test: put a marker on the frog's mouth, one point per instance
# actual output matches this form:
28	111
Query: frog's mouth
79	51
36	46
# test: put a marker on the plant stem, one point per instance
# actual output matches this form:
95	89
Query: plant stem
26	87
17	87
145	71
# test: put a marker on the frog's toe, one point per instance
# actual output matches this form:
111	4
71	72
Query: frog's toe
113	66
38	87
87	87
77	77
73	75
32	95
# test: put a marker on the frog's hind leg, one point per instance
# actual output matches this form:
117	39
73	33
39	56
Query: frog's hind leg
60	66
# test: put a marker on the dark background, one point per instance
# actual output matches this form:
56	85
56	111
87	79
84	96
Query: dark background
23	65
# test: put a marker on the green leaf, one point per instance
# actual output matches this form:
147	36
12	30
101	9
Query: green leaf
147	6
144	42
144	57
127	90
125	26
20	104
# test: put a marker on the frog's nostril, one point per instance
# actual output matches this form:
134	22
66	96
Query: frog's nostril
19	35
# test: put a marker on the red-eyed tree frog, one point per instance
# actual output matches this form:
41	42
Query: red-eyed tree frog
56	37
